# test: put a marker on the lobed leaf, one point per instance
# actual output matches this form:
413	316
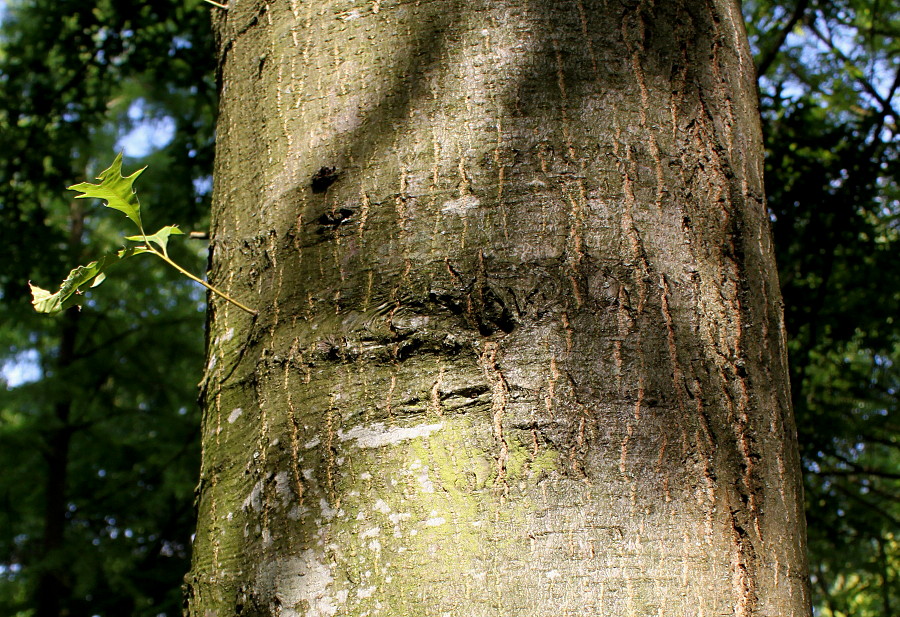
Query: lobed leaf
115	189
80	278
160	238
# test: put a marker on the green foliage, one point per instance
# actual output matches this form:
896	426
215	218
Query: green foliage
118	193
72	72
115	189
74	78
69	293
160	238
829	97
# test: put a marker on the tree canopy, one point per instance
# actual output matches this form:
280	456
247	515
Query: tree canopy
117	383
829	80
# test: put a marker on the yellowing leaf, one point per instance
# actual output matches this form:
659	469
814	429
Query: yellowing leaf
79	278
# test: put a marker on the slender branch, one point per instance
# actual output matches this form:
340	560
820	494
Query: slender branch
882	441
894	85
202	282
123	334
886	106
885	577
217	5
164	255
824	588
865	503
769	57
859	471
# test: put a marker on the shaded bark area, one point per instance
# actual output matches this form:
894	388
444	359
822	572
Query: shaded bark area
520	346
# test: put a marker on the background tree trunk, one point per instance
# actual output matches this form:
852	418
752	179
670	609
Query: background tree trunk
519	348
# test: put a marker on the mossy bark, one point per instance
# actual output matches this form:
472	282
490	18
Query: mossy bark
519	349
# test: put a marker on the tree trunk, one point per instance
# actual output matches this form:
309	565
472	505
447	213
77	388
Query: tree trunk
52	589
519	348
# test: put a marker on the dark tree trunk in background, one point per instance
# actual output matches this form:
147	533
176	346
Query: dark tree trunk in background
519	349
51	590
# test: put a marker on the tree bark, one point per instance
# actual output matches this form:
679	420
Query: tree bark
519	348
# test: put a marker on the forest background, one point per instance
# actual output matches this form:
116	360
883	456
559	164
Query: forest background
99	428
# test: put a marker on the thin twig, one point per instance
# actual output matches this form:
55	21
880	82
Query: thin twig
221	294
770	54
886	106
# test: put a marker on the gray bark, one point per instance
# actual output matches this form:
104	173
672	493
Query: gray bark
519	349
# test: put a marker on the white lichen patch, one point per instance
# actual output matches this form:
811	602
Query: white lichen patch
234	415
351	14
461	205
312	443
365	592
425	483
376	435
283	487
254	499
399	516
370	533
302	587
297	512
382	506
327	511
436	521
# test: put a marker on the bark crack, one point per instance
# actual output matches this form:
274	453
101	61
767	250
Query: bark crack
499	400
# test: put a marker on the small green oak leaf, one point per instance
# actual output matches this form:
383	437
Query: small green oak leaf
79	279
160	238
116	189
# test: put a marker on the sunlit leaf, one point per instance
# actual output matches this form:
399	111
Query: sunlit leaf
79	279
160	238
116	189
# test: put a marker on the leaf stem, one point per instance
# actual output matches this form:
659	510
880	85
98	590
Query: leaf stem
221	294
